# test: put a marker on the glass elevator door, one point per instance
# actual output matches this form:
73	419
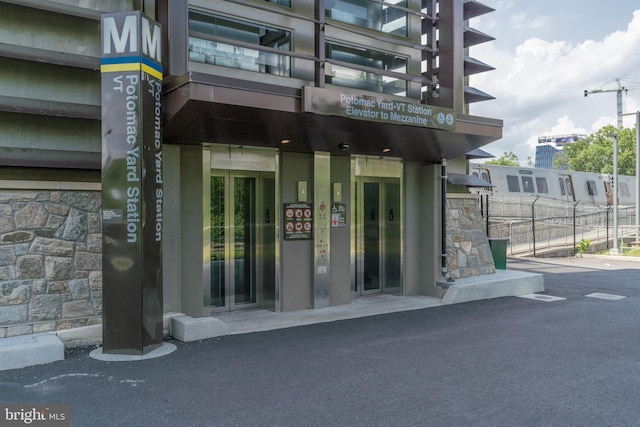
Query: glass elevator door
378	261
240	226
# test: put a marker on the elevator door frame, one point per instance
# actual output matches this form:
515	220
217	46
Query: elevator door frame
379	171
261	164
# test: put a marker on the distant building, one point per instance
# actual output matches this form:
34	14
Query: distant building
550	146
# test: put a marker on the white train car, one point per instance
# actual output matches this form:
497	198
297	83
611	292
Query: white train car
586	187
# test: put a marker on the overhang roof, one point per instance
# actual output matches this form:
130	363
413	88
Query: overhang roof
211	109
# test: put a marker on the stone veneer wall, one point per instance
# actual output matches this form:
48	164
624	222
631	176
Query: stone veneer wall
468	250
50	260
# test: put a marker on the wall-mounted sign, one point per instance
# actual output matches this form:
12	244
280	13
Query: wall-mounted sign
338	215
298	221
376	109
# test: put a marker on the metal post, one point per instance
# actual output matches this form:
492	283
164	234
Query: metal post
607	226
487	210
638	177
615	250
533	225
443	226
574	227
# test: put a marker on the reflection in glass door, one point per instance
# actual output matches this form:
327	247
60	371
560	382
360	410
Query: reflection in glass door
371	280
218	240
234	257
243	234
378	261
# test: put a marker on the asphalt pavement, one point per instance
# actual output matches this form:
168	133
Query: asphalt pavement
569	358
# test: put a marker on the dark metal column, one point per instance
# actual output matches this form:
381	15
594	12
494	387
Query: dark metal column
451	54
319	43
132	198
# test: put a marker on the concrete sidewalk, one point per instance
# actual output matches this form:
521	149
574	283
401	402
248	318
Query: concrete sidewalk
48	346
370	305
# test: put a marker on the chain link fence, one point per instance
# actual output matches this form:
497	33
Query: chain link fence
535	226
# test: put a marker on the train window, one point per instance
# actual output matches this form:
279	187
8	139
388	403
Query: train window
541	183
562	190
475	174
527	184
624	189
591	188
513	183
569	186
485	176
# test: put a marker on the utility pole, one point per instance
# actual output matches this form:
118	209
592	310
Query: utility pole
637	114
615	250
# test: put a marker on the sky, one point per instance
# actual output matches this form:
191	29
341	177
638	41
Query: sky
546	54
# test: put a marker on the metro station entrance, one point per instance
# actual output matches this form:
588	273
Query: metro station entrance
378	235
243	239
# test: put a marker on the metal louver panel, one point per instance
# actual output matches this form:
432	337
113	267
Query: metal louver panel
473	9
472	95
473	66
474	37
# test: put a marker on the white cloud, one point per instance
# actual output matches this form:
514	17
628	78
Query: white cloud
539	86
523	21
564	125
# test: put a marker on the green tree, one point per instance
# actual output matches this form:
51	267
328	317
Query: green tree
561	161
507	159
595	152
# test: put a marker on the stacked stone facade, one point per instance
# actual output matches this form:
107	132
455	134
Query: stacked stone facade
50	260
468	250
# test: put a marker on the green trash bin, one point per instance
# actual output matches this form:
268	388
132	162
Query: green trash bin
499	252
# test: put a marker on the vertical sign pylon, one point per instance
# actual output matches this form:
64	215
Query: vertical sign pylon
132	193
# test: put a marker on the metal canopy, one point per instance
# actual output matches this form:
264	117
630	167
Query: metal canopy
210	109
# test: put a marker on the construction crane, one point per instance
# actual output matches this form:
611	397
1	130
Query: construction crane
618	90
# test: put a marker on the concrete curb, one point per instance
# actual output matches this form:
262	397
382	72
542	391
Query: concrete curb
92	335
27	350
504	283
186	328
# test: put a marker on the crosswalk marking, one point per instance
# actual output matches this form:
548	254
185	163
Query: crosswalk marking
550	298
601	295
545	298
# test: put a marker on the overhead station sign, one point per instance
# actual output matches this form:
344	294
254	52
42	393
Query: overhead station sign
376	109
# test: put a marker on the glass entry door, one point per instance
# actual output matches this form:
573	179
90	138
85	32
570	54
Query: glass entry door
378	260
237	229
